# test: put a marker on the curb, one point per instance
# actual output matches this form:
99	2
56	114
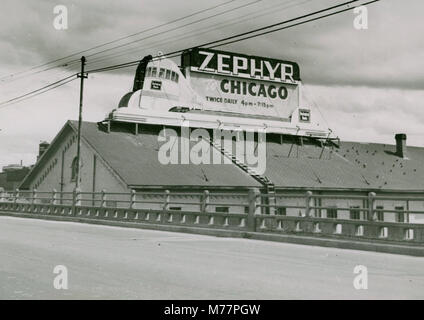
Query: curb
293	239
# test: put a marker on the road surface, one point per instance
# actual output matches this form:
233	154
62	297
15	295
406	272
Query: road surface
121	263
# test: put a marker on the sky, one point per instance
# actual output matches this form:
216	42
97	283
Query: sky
368	84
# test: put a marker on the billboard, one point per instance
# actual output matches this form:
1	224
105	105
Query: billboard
243	84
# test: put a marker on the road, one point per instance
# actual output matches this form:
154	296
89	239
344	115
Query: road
122	263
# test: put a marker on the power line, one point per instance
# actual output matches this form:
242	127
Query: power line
209	17
33	93
234	39
216	43
296	24
36	72
250	16
120	39
158	34
179	27
69	63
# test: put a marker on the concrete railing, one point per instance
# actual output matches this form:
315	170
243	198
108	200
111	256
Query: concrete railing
364	222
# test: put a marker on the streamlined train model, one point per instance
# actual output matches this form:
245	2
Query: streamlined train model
219	90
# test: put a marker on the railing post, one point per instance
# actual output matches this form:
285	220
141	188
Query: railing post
55	197
371	205
132	200
104	198
166	200
16	196
73	202
77	197
309	203
251	222
73	197
205	201
34	196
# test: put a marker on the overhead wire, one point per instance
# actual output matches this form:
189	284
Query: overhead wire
173	21
249	34
119	39
233	37
212	44
68	63
49	87
252	15
296	24
102	58
179	27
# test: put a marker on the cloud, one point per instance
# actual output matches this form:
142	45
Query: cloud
370	114
367	83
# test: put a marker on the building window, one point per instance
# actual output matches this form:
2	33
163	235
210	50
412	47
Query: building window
332	213
175	208
246	209
222	209
380	213
282	211
400	215
355	213
74	169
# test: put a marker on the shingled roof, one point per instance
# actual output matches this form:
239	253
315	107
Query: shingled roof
135	159
351	165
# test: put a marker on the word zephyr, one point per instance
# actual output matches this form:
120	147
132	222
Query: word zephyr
226	63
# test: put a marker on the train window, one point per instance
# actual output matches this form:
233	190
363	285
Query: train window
149	72
176	77
162	73
168	74
173	76
154	72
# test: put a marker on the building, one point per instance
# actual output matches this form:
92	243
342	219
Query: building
11	176
121	160
123	152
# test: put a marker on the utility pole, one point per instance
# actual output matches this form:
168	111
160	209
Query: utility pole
82	76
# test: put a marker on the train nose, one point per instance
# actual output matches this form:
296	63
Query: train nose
123	103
